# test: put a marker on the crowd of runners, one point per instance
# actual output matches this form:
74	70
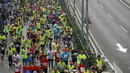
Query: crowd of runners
42	41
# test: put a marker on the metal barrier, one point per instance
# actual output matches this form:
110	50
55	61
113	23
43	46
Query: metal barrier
116	68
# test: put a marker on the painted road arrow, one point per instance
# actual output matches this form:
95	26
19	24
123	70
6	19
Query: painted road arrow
121	48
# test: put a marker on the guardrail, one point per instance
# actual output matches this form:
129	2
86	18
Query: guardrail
116	68
93	43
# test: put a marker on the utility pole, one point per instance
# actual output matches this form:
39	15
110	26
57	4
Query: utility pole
74	7
82	32
87	26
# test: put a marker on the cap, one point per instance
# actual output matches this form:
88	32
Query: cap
65	45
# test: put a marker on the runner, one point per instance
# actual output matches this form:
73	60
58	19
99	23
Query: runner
44	64
50	54
17	66
65	56
16	57
10	54
99	62
2	54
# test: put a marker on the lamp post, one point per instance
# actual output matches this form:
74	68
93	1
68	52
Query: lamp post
87	25
74	7
82	32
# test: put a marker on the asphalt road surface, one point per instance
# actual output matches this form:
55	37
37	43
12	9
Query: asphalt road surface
111	26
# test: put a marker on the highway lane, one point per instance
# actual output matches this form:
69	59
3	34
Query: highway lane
106	20
110	25
119	11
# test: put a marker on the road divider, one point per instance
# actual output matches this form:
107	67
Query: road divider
124	4
124	29
110	16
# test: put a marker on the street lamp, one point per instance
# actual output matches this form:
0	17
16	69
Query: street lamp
82	33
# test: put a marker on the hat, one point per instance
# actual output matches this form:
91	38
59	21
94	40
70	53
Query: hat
65	45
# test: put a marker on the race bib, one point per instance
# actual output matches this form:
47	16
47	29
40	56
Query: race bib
75	54
16	69
58	55
44	64
82	69
69	36
65	56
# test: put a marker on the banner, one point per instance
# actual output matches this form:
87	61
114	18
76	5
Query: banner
31	69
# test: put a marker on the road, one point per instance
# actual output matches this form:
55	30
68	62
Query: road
110	25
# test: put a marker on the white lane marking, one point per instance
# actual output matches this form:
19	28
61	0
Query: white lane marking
101	6
109	10
8	68
124	4
124	29
120	48
110	16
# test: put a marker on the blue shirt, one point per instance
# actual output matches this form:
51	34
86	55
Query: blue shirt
28	59
27	71
65	56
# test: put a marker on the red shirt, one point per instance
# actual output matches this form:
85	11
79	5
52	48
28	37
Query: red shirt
57	56
31	50
44	63
37	36
41	57
81	68
31	68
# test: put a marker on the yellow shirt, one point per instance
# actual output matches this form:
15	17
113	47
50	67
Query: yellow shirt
13	49
86	71
71	67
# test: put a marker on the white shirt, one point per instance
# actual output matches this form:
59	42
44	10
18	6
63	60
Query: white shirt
17	67
50	54
15	57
